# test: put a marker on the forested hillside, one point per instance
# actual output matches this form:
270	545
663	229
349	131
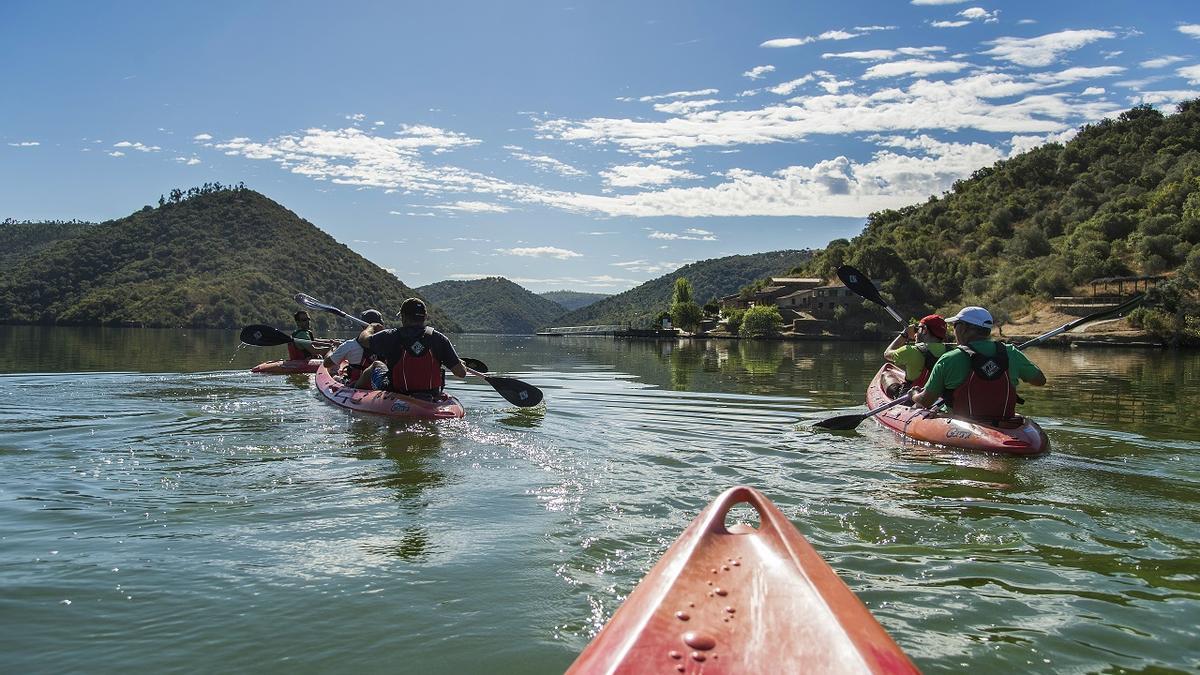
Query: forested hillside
491	305
23	238
1120	199
211	257
572	300
710	279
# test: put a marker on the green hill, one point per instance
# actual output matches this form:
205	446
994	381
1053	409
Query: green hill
24	238
211	257
573	300
1120	199
491	305
710	279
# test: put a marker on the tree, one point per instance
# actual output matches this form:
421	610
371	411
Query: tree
685	313
761	321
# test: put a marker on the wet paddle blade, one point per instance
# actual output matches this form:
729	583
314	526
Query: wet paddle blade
841	423
516	392
264	336
474	364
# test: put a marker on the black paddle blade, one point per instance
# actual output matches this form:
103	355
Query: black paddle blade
841	423
860	283
264	336
474	364
516	392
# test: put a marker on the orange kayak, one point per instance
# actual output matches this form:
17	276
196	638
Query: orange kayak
289	367
386	403
1021	436
742	600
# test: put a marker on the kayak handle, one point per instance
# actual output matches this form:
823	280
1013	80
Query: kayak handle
740	495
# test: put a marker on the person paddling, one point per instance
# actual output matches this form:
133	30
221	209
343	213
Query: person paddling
915	351
978	379
358	360
308	346
410	359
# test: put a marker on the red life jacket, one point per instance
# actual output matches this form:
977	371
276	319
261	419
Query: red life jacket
295	353
354	370
417	369
988	393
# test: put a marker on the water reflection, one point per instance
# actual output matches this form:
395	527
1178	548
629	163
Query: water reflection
524	418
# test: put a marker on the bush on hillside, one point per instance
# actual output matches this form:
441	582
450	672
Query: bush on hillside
761	321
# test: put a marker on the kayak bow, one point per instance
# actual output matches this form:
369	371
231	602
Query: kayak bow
742	600
289	367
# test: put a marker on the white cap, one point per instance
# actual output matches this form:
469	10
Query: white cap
976	316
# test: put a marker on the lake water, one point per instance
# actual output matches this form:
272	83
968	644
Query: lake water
162	509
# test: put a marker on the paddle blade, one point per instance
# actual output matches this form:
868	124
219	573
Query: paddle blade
516	392
860	284
841	423
474	364
264	336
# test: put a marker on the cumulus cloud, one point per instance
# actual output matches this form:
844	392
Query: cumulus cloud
1161	61
541	252
140	147
647	267
546	163
1192	73
1189	29
782	43
116	153
1045	49
673	95
202	137
758	72
472	207
189	161
1164	98
1093	91
634	175
690	234
884	54
679	107
950	24
912	67
25	144
980	14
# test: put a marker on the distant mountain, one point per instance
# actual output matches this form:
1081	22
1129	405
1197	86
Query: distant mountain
710	279
491	305
572	300
211	257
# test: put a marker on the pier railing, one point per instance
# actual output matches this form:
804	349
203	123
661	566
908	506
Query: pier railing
606	329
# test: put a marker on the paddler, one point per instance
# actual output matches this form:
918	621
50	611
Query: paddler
978	379
306	346
358	361
915	351
410	359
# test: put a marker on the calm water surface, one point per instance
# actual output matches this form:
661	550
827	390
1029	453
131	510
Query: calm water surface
165	510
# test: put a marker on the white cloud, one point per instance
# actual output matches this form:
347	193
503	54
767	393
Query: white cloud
938	2
757	72
1161	61
1093	91
541	252
202	137
189	161
116	153
1190	29
140	147
1026	22
440	250
634	175
647	267
546	163
781	43
912	67
676	94
1164	98
690	234
357	117
679	107
950	24
867	55
601	234
1045	49
788	87
980	14
25	144
1019	144
472	207
1192	73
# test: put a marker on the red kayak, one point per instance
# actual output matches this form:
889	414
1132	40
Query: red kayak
742	600
386	403
289	367
1020	436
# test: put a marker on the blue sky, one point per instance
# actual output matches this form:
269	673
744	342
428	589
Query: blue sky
587	146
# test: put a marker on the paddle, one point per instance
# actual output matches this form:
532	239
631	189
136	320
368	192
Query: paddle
267	336
861	284
847	422
516	392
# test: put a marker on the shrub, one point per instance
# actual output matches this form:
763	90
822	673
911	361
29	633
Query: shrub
761	321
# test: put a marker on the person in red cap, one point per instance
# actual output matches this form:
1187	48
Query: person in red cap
915	351
410	359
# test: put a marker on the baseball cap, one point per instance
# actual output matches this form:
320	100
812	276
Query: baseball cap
371	316
412	308
936	325
976	316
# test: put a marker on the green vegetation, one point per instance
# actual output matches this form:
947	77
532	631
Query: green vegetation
492	305
709	279
573	300
1120	199
761	321
685	313
214	256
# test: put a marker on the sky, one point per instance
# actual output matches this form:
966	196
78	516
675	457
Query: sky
588	146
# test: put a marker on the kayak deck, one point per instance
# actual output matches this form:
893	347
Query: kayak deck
288	367
1021	436
386	403
742	600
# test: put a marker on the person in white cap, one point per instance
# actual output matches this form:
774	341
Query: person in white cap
358	361
978	379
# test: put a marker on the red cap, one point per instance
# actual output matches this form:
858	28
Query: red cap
936	325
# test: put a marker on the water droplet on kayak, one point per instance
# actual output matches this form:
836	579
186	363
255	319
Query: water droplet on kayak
679	668
675	655
721	592
714	570
697	656
725	567
682	615
736	563
730	610
699	640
